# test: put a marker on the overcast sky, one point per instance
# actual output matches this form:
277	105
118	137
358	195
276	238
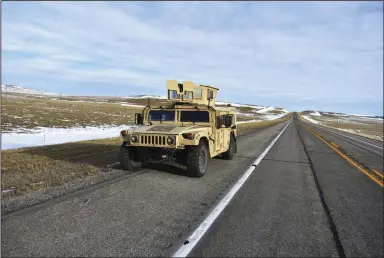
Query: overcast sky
297	55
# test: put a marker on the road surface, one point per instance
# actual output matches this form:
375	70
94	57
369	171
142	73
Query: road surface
301	199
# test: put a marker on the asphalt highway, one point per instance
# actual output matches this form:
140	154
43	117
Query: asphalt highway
302	199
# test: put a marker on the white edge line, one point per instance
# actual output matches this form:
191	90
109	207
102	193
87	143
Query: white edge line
352	138
193	239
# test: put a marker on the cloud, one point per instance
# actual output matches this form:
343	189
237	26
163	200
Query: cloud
271	53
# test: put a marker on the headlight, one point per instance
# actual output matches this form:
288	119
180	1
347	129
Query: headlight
171	140
134	138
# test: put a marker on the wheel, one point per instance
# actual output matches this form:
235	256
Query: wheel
232	149
197	159
126	159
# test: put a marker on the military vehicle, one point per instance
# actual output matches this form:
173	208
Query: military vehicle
188	130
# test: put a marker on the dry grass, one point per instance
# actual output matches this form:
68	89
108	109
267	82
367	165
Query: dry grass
21	113
276	111
32	168
372	128
240	118
367	129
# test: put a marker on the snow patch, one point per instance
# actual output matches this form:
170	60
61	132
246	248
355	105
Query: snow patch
273	117
362	115
47	136
131	105
310	119
263	118
315	114
266	109
145	97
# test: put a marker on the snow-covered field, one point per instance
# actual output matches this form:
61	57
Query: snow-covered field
246	112
48	136
310	119
263	118
315	114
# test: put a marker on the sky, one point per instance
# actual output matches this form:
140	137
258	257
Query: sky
324	56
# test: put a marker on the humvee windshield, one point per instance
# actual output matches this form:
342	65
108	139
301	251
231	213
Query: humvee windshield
162	115
194	116
185	116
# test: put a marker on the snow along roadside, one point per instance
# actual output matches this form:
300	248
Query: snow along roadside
43	136
48	136
264	118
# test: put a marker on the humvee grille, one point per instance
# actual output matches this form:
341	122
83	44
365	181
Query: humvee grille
153	139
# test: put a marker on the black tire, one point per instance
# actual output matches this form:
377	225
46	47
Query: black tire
126	161
232	149
197	159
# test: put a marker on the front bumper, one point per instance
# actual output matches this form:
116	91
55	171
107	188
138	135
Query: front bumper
158	154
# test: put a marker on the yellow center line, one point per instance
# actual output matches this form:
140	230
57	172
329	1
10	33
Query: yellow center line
349	160
334	144
378	173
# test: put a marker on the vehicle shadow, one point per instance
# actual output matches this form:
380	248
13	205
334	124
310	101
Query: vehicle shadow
102	156
170	168
90	153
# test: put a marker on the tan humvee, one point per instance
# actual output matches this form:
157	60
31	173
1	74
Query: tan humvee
188	130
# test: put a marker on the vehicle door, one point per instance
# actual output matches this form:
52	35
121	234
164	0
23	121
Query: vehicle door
220	130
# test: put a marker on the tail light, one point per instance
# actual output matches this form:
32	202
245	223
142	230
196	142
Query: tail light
189	136
123	133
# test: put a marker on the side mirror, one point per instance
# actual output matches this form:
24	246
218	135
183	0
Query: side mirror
138	119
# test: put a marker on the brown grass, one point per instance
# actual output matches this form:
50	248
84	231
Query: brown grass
32	168
27	113
22	113
36	167
366	127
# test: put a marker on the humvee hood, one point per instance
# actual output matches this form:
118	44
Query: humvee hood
168	129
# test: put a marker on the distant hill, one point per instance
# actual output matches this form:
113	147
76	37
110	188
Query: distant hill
22	90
